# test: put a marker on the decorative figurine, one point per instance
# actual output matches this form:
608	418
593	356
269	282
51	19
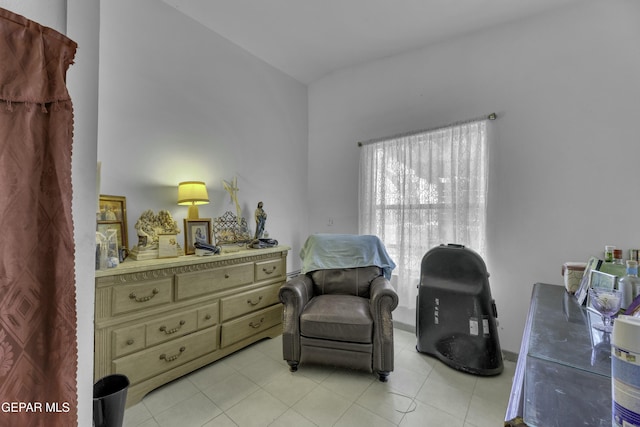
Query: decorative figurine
261	218
228	229
149	227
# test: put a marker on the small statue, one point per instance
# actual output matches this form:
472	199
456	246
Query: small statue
145	229
149	226
261	218
166	223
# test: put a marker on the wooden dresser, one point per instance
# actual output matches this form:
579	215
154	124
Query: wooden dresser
159	319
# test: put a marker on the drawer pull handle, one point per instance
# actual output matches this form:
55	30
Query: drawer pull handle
174	357
266	271
255	303
133	296
172	331
207	317
130	341
226	275
257	325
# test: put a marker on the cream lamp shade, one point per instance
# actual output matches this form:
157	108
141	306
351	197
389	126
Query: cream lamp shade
192	193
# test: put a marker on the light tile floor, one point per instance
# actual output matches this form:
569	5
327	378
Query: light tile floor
254	387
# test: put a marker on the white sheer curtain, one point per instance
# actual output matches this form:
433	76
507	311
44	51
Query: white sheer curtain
421	190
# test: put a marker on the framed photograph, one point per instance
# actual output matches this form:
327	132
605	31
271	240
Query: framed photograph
603	280
113	212
196	230
582	292
104	227
167	245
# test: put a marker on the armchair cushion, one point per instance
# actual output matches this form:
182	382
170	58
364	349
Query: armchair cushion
339	318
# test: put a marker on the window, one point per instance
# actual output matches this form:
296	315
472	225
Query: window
421	190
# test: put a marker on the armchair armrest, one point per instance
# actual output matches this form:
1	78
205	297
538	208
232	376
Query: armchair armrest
294	295
383	296
384	300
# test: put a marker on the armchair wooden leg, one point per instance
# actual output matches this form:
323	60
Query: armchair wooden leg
293	365
383	376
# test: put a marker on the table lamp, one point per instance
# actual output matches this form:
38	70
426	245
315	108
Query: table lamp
192	193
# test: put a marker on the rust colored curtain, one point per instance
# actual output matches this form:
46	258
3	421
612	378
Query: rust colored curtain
38	348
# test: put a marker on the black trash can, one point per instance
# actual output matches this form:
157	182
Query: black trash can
455	314
109	398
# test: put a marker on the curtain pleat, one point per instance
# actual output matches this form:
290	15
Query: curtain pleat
38	346
422	190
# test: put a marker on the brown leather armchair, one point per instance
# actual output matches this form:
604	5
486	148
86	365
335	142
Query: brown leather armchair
340	317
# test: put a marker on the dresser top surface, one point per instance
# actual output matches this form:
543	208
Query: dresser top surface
133	266
561	332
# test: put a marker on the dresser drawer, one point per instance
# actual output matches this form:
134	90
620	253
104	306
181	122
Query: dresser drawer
170	327
189	285
128	339
140	296
208	315
246	302
270	269
244	327
156	360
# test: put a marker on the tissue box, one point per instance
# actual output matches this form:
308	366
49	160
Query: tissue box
572	273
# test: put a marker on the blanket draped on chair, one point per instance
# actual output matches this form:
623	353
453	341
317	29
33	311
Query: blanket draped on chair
327	251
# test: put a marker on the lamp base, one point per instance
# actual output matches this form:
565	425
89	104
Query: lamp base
193	212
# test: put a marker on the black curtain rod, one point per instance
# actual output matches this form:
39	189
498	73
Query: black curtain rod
492	116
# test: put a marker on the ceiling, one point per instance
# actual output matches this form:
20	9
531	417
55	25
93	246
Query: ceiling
308	39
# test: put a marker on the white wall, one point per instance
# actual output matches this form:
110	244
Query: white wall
564	162
83	24
178	102
50	13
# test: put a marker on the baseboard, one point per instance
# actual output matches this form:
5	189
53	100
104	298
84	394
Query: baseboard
509	356
404	326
